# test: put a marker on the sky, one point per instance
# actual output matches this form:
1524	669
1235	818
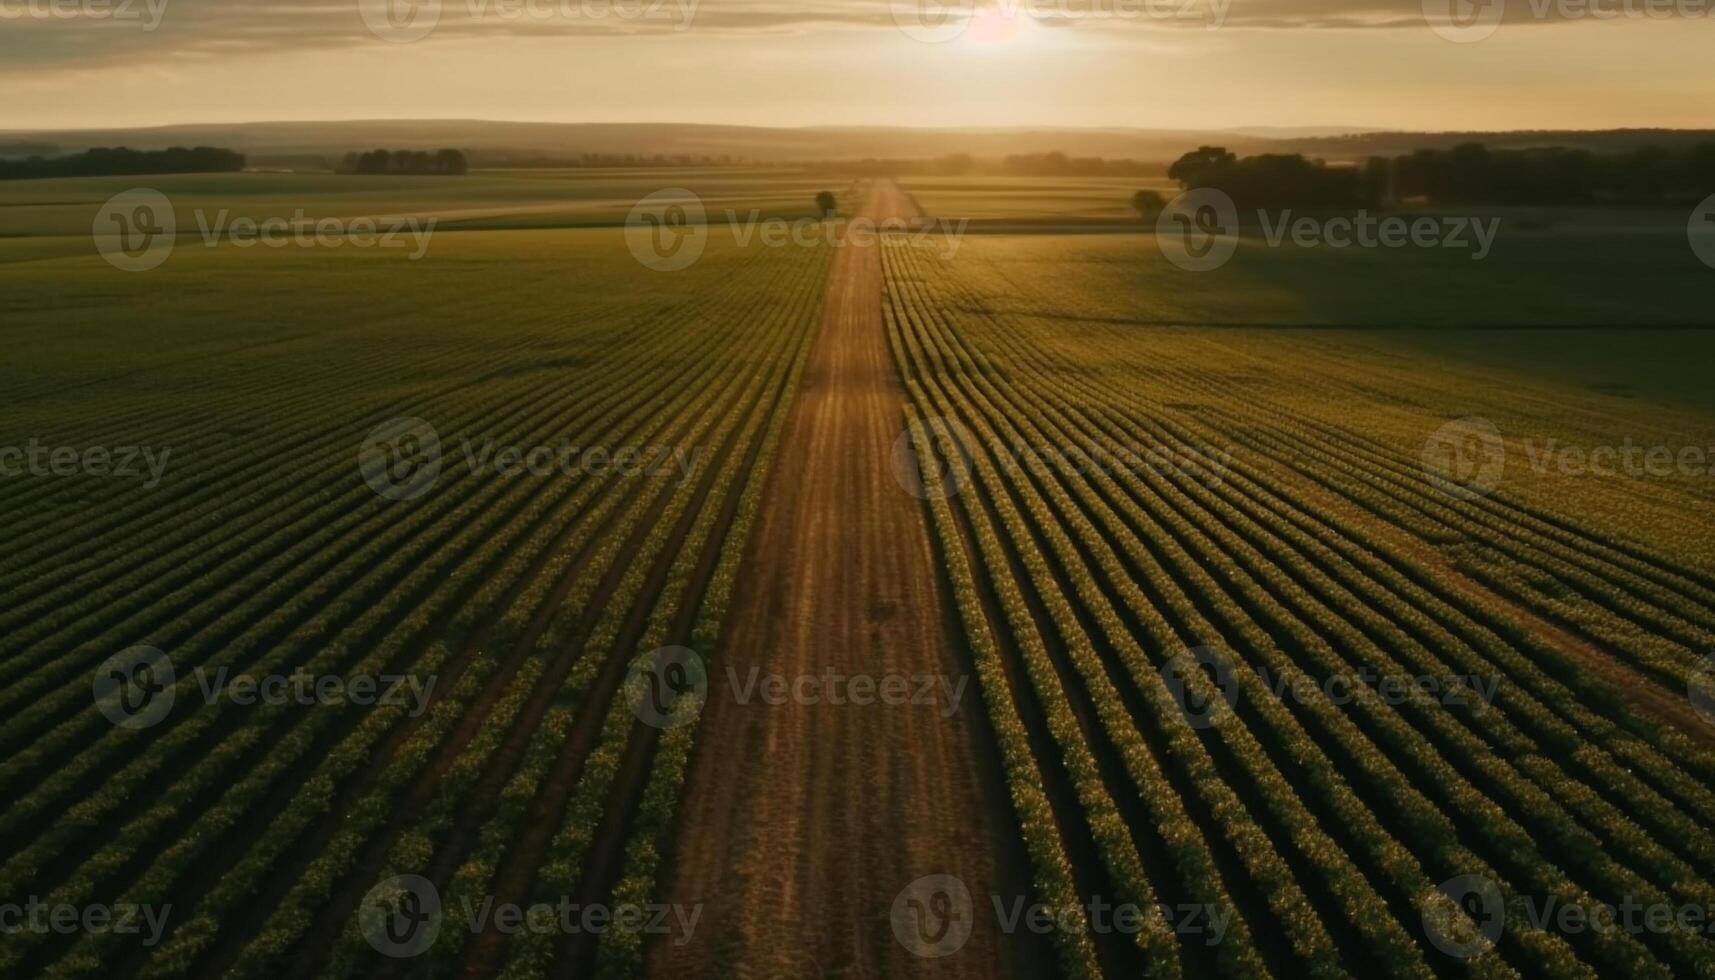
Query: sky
1173	64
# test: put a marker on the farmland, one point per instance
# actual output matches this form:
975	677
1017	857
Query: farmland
1132	513
1030	197
262	549
1291	533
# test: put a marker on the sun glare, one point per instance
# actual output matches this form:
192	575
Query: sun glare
991	29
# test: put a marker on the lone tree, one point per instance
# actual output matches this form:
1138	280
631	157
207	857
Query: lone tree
1148	204
828	204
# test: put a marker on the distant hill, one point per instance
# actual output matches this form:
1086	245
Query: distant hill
1359	146
498	140
494	143
22	149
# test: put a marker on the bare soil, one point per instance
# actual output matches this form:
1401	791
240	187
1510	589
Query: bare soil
803	822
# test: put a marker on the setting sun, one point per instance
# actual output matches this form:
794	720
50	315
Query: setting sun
994	28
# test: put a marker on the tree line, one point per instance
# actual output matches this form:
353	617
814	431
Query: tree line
1474	174
1470	173
123	161
1051	164
446	162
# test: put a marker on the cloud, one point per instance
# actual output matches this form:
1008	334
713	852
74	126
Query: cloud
44	34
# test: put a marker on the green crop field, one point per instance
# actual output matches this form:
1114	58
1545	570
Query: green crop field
1031	197
1279	600
258	546
1281	521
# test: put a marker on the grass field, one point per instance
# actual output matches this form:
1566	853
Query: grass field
1031	197
53	217
1139	511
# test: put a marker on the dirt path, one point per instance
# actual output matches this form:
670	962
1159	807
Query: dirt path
803	822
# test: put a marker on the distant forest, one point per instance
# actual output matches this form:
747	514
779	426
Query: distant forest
572	161
1052	164
444	162
25	149
121	161
1467	174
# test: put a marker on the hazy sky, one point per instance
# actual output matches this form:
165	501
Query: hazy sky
1148	63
